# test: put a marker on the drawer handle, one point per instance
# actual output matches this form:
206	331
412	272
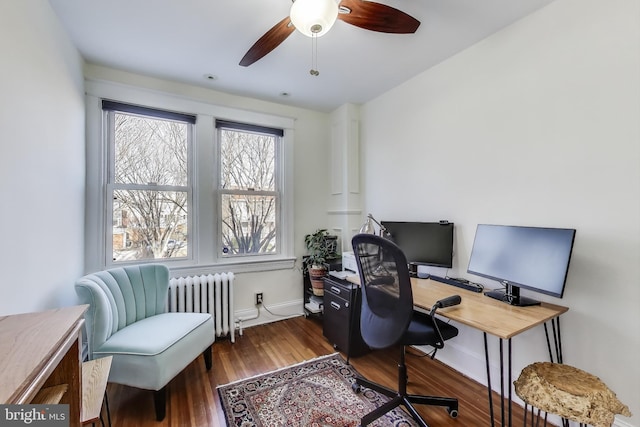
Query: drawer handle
335	305
335	290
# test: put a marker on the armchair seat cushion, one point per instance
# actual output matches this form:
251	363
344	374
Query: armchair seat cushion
155	334
150	352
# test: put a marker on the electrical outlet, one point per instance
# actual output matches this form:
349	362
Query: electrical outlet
258	298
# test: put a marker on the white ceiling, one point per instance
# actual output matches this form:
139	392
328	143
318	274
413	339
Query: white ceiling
186	40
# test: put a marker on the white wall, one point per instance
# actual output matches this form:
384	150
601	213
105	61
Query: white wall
41	159
536	125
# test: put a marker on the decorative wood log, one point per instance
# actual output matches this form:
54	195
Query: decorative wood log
569	392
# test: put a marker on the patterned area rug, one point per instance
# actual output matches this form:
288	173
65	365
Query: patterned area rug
312	393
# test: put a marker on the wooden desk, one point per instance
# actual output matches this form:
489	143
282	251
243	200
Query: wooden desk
492	317
480	312
42	350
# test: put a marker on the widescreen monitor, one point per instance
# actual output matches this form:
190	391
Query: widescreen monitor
423	243
533	258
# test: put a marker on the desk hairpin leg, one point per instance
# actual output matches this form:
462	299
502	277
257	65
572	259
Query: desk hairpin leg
489	388
486	358
557	342
508	410
557	346
510	382
502	383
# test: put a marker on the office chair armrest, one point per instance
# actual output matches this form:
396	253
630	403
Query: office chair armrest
447	302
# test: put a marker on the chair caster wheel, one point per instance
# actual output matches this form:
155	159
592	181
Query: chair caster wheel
453	413
356	388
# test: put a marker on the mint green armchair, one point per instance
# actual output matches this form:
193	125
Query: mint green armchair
127	319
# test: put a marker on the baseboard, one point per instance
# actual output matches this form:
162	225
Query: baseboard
267	314
620	423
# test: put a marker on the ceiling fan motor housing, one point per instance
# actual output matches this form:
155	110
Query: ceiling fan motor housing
313	18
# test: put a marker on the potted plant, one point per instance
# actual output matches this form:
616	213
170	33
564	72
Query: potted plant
322	247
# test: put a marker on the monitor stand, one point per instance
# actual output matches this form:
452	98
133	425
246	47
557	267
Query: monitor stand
413	269
511	296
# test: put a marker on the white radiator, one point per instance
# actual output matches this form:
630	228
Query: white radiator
211	293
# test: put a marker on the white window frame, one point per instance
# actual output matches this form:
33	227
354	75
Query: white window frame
203	228
278	184
112	186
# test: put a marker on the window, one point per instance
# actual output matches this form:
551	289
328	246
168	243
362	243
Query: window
149	182
169	181
249	189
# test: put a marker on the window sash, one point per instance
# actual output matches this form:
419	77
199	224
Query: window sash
252	245
143	229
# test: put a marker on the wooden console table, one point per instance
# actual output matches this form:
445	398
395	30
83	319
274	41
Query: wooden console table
40	358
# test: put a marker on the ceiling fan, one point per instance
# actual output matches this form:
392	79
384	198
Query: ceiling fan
314	18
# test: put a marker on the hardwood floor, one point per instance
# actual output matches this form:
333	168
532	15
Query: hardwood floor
193	399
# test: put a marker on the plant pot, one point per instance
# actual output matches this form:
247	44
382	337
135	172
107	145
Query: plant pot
316	276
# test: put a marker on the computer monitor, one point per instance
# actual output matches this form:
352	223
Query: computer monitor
533	258
423	243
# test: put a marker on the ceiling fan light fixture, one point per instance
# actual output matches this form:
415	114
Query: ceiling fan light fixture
313	17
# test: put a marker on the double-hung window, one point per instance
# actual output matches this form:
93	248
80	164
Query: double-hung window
168	180
149	182
249	189
200	187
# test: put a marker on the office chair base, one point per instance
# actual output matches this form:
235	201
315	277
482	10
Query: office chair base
407	400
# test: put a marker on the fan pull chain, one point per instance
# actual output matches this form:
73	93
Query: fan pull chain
314	56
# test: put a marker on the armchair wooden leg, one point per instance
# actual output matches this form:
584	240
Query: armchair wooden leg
208	359
160	401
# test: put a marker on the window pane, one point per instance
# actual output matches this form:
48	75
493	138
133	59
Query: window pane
247	161
248	224
150	151
149	224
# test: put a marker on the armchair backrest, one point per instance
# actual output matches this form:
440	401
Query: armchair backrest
387	298
121	296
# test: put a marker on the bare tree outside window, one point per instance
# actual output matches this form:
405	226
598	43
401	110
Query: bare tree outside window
149	181
249	194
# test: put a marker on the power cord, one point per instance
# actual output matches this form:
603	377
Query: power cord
262	304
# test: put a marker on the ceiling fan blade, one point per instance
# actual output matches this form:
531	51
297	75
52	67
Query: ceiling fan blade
269	41
377	17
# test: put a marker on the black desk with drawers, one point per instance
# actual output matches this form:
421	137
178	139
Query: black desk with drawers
341	317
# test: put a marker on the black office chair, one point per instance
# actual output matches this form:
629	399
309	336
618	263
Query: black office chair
388	319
